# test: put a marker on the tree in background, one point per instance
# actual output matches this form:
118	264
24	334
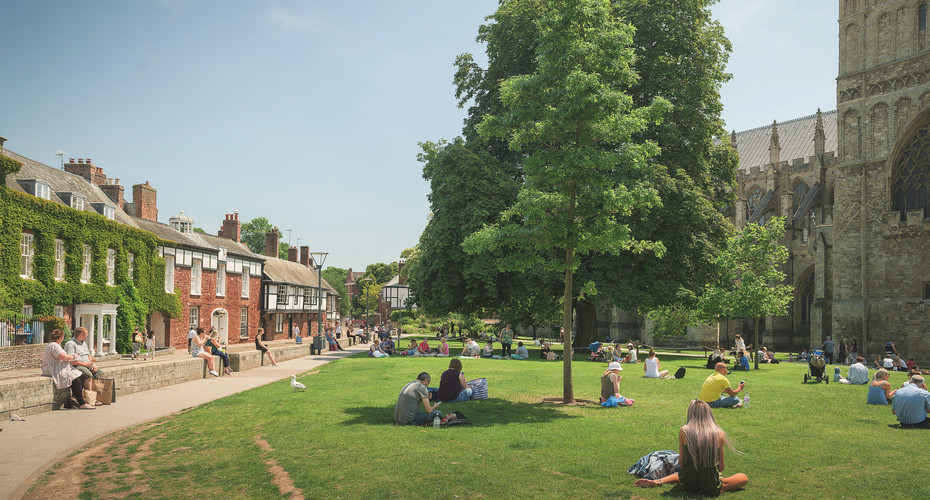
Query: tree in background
253	236
583	170
380	272
336	277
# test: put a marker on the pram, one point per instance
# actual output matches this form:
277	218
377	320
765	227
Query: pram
817	368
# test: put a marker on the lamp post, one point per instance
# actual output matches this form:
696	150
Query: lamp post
367	304
321	257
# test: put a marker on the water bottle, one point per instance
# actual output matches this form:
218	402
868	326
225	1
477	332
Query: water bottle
435	422
746	400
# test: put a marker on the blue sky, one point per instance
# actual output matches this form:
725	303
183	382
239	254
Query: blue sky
309	112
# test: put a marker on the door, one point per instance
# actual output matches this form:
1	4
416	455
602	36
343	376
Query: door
219	320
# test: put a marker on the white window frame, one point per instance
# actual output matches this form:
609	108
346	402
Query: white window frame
109	212
59	311
196	276
221	279
279	323
59	260
169	273
130	265
245	281
194	319
243	322
27	254
85	267
282	296
77	201
111	267
43	190
27	310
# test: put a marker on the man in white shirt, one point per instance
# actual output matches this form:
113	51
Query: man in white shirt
295	333
858	373
84	362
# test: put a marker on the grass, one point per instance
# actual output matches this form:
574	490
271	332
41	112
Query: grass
336	439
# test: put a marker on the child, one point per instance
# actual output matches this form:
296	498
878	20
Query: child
150	345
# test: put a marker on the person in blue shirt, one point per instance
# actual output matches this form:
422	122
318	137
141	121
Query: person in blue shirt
911	404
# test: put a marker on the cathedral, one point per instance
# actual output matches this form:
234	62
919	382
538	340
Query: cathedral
852	185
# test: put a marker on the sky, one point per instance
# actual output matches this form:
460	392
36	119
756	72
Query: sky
309	113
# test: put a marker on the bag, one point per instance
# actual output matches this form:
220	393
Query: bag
680	373
479	388
332	347
90	397
614	402
655	465
106	390
550	356
137	338
459	420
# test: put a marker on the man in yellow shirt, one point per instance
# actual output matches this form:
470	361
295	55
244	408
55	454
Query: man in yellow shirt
717	384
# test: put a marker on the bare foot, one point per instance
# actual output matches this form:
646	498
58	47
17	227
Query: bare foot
646	483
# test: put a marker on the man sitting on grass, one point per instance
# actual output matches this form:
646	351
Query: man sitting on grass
911	404
858	373
406	412
717	384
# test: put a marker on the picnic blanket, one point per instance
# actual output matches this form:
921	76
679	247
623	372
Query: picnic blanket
655	465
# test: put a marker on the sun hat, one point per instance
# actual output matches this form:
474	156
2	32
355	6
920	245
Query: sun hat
614	366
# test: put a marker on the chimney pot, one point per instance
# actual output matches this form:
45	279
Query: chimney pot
70	160
87	161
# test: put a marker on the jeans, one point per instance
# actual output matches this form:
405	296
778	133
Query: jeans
725	402
222	356
505	349
422	418
464	395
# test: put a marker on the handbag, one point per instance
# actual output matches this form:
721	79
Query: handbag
479	388
106	390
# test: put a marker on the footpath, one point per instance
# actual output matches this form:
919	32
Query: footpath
32	446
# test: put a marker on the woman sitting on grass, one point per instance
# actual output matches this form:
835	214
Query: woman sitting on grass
700	446
742	361
610	384
488	351
617	353
880	392
452	384
522	352
651	366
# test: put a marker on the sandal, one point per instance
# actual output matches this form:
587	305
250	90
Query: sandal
88	407
98	403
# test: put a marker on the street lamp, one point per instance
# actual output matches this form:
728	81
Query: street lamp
319	257
367	301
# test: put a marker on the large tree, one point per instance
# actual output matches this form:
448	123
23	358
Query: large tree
584	170
336	277
253	236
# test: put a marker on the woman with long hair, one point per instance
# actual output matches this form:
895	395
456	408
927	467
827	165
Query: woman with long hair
700	446
880	392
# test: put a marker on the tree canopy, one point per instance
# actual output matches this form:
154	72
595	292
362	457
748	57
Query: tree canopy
253	236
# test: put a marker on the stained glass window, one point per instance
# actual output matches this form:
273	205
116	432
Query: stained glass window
755	197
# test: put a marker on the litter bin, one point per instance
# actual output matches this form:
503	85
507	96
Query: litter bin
319	343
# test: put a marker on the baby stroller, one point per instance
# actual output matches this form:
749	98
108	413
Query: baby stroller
817	368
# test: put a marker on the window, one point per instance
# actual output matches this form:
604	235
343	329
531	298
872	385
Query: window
800	191
59	260
130	263
77	201
926	291
27	311
278	323
244	323
43	190
169	273
307	297
245	281
196	271
282	295
26	255
922	17
909	178
111	266
221	279
109	212
195	318
753	202
59	311
85	268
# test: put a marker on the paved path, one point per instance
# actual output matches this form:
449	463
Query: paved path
29	448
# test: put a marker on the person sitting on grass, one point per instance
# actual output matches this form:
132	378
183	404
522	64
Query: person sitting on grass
387	346
742	361
899	364
701	444
631	356
522	352
880	392
544	350
596	352
858	373
616	354
911	404
610	384
887	362
406	411
651	366
717	384
912	365
411	350
422	348
374	351
471	349
452	384
443	349
488	351
715	357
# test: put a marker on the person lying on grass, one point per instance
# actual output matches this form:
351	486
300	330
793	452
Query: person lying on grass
610	384
717	384
406	412
700	446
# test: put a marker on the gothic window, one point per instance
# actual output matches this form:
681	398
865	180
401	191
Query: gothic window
755	197
910	176
800	191
922	17
805	297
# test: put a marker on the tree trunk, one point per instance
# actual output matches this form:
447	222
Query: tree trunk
568	393
535	329
755	347
585	323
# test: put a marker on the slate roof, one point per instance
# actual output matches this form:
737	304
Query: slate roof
197	240
796	138
285	271
62	182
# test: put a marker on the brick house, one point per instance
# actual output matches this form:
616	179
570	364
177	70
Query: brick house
292	291
217	278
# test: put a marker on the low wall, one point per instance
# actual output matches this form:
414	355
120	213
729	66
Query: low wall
21	356
246	360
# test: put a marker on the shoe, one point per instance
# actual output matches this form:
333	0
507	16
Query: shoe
213	372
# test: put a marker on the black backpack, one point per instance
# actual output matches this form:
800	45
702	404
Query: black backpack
680	373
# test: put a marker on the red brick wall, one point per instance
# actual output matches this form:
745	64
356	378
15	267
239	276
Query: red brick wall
208	302
21	356
306	321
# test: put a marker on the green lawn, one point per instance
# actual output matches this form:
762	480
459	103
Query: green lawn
336	439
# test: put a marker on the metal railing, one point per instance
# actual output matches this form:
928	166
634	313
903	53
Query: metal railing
17	329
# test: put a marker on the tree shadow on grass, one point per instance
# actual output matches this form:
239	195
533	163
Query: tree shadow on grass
482	413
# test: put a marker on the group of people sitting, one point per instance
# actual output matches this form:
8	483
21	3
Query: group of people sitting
740	362
453	388
608	353
473	350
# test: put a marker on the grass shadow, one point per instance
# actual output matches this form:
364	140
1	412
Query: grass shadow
485	413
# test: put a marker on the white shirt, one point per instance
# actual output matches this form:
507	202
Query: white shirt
858	374
740	344
652	367
888	363
191	334
296	331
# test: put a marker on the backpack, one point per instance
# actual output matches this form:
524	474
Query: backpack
680	373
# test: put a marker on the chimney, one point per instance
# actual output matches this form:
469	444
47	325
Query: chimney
271	243
232	228
292	254
2	140
143	202
305	255
88	171
113	189
400	266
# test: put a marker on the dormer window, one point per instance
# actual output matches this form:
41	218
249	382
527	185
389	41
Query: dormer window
43	190
109	212
77	201
182	223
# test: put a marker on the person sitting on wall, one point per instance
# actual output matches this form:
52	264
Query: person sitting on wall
213	344
260	345
84	362
333	344
362	335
